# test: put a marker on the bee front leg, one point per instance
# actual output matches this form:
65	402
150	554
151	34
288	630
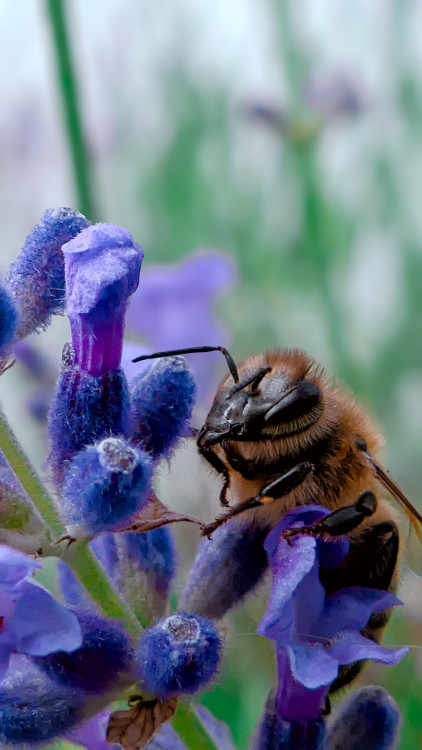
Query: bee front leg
279	487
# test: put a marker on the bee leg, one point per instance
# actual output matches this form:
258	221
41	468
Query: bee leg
219	466
341	521
279	487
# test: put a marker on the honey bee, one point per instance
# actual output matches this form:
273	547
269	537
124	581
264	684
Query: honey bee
282	434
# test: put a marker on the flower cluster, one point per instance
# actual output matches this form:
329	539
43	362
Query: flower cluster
61	665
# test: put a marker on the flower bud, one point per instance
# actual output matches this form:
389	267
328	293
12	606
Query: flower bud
8	322
162	402
180	654
103	660
34	710
226	568
368	719
86	408
105	486
36	279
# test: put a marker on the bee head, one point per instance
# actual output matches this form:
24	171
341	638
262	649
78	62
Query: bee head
277	395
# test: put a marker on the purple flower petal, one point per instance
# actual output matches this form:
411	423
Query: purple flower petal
351	608
350	646
40	625
312	665
15	567
290	563
102	266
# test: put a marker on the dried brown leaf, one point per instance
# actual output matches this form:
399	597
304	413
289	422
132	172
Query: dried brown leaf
133	728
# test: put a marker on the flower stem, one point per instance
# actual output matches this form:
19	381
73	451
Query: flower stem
79	557
25	472
73	120
191	730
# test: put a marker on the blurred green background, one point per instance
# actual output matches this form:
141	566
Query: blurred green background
288	134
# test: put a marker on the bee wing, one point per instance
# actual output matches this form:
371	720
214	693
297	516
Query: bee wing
388	482
133	728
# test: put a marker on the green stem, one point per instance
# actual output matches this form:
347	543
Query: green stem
68	88
79	557
25	472
191	730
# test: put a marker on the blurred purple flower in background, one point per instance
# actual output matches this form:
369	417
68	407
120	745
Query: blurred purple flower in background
174	308
31	620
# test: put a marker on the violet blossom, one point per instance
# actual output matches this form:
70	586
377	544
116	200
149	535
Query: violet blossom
314	633
183	299
31	621
102	266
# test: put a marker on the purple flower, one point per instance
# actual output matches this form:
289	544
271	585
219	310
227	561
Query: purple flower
31	621
315	633
182	299
102	266
180	654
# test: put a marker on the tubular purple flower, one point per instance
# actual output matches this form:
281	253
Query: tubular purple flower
277	733
9	320
226	568
102	266
315	633
36	279
31	620
106	484
162	403
180	654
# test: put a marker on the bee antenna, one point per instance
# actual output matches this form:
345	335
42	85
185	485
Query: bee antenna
231	364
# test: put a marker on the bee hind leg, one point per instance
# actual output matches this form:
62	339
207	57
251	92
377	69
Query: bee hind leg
340	521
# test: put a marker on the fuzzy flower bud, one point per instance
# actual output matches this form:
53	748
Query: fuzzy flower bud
105	486
162	400
180	654
367	720
86	408
36	279
142	567
102	266
103	660
227	567
34	710
8	321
